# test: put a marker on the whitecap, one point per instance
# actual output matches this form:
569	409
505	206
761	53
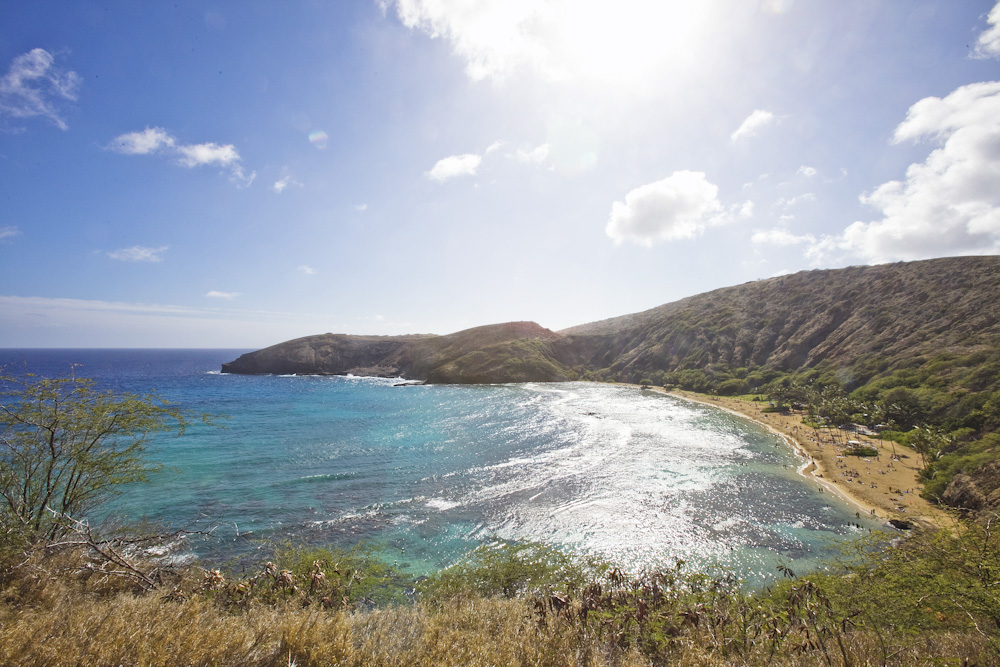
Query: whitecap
441	504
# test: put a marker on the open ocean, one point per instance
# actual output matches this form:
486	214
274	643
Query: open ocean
426	473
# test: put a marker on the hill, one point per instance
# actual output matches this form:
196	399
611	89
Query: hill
909	347
858	322
511	352
861	320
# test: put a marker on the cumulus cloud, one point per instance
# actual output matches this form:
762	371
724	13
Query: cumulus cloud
454	166
806	171
492	37
307	270
138	253
34	86
677	207
988	45
780	237
361	208
214	294
9	232
156	140
753	124
949	204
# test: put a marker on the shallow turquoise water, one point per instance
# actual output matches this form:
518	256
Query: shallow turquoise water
428	472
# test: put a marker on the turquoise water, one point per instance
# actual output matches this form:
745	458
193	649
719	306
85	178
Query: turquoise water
429	472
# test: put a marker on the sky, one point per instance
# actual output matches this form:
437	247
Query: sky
235	174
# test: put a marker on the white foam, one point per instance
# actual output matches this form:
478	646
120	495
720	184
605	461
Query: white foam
441	504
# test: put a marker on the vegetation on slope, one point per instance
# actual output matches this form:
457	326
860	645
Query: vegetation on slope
946	407
933	600
72	595
862	321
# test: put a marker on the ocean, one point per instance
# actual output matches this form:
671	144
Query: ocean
426	473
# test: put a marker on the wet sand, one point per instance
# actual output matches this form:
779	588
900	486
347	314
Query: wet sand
884	486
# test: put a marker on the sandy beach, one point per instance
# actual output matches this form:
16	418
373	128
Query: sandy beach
884	486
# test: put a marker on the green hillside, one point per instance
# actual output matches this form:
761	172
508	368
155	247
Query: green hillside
912	348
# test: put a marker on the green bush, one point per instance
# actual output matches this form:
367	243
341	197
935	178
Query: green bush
511	569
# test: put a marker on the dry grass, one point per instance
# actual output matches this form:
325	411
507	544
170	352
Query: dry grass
54	614
126	629
131	630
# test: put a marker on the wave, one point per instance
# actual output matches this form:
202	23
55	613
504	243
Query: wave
442	504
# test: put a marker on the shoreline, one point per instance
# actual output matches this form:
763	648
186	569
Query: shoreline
884	487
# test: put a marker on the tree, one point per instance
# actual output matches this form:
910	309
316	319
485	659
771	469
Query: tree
928	442
66	447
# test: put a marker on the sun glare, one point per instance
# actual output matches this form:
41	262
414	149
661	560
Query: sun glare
630	40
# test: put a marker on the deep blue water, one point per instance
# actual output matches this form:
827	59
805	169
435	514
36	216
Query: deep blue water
428	472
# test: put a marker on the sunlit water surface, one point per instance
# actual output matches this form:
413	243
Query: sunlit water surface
426	473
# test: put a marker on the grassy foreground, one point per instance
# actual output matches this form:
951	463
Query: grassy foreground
932	599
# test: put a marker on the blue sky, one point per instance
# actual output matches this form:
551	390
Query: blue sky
236	174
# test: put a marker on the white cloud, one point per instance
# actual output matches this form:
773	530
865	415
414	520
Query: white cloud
214	294
361	208
496	145
281	185
241	178
780	237
988	45
536	155
196	155
148	141
33	86
138	253
808	172
677	207
626	43
753	124
307	270
453	166
154	140
949	204
746	210
492	37
9	232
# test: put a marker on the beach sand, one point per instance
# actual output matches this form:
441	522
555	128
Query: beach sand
884	486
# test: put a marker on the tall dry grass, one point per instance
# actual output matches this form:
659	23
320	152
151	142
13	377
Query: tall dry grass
66	626
56	611
130	630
